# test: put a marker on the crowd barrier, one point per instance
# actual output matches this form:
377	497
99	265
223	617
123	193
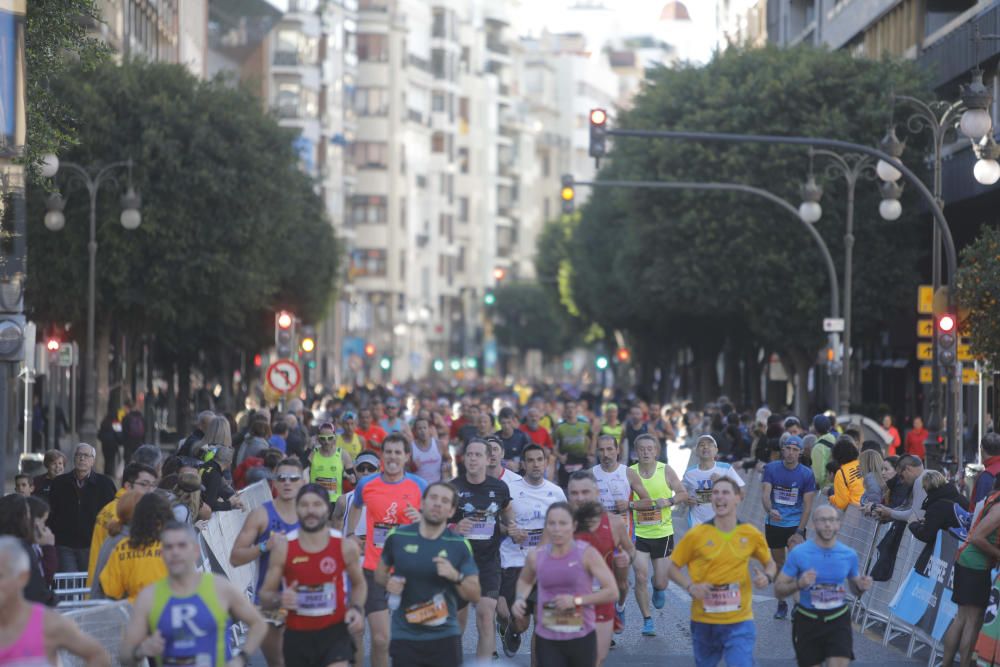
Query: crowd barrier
105	621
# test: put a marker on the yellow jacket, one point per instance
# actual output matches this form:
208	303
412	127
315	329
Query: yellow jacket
107	514
848	486
130	570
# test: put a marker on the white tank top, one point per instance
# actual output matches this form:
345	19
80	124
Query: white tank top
428	464
613	486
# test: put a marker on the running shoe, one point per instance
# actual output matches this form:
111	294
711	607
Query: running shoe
659	598
782	612
511	641
613	645
619	623
648	629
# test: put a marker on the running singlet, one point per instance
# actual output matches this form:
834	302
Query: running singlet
386	503
721	559
322	587
328	471
788	490
563	575
352	446
427	463
482	504
698	483
275	524
193	628
530	504
833	567
572	440
603	540
28	650
612	486
359	530
654	523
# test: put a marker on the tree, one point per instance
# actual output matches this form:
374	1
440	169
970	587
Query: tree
529	319
978	284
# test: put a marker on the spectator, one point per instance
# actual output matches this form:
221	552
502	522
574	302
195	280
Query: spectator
768	446
22	484
257	440
297	437
137	562
16	521
219	496
893	432
188	506
109	434
823	449
216	435
911	471
898	491
133	430
916	438
279	433
55	464
985	480
197	435
848	482
871	465
44	541
149	455
854	431
939	513
137	477
118	530
76	498
874	446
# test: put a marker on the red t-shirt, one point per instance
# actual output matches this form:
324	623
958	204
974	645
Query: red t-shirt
385	504
373	437
322	584
539	436
455	426
915	442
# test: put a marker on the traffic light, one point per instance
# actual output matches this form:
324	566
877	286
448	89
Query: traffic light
438	365
284	334
499	273
52	344
307	346
568	194
623	355
369	349
947	339
598	133
601	362
385	363
489	298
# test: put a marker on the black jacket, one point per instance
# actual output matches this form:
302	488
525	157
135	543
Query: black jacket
939	514
217	493
74	510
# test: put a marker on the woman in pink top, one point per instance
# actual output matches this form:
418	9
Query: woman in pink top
30	634
567	572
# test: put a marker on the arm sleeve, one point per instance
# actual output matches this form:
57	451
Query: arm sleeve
761	551
766	478
919	495
681	555
735	476
853	571
357	500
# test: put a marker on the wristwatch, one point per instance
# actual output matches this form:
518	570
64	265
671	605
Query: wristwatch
461	578
263	547
578	601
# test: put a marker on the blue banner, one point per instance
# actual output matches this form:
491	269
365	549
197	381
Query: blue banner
924	599
8	79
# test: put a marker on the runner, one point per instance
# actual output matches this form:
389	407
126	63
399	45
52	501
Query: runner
325	588
329	465
513	439
572	443
388	500
635	426
257	538
431	568
610	426
654	528
483	505
348	439
818	570
609	534
30	634
567	571
184	619
371	433
717	555
494	465
530	496
431	458
392	422
787	494
616	483
699	478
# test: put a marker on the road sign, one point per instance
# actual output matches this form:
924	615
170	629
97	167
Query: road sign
925	328
964	352
925	351
833	324
66	359
283	376
925	299
969	375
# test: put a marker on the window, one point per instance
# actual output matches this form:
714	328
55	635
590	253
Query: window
463	209
460	262
446	228
402	213
286	50
373	47
438	64
439	27
438	102
288	99
463	160
463	109
369	209
373	5
371	101
368	262
370	154
438	143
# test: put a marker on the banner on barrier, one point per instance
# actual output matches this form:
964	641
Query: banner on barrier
988	642
924	599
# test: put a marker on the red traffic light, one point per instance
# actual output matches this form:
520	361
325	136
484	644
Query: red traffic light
946	323
284	320
369	350
499	273
623	354
258	360
598	117
52	345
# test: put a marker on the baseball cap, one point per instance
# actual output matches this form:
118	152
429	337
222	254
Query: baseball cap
392	402
367	457
348	415
821	423
792	441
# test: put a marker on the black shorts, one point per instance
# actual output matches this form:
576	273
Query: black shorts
318	648
816	639
489	579
971	587
657	548
440	652
777	536
378	599
508	588
580	652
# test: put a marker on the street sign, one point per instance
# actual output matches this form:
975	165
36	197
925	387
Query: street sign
925	328
925	299
969	375
833	324
66	359
964	352
925	351
283	376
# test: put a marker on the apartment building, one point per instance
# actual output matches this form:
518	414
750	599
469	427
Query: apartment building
174	31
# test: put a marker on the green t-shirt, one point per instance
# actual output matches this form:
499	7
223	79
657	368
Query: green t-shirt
427	598
572	439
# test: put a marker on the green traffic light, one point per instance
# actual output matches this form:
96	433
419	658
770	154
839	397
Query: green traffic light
602	362
456	364
490	298
438	365
385	363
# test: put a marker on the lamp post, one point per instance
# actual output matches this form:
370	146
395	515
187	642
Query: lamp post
92	179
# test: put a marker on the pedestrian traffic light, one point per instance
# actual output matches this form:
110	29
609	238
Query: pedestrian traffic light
284	334
598	133
601	362
385	363
489	298
623	355
947	339
369	350
568	194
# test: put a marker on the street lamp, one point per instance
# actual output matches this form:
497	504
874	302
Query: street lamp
92	179
889	208
976	121
893	146
987	169
810	209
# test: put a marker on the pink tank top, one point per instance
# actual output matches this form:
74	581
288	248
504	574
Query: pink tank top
29	649
558	575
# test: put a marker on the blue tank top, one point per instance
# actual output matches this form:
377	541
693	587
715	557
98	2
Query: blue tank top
194	628
275	524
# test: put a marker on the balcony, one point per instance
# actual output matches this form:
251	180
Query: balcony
494	45
373	5
287	59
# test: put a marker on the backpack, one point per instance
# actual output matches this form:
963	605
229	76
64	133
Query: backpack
136	427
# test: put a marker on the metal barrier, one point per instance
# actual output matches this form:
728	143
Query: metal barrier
104	621
71	587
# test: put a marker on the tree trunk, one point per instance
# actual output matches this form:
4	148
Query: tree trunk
706	355
731	380
183	396
800	363
226	371
102	350
752	376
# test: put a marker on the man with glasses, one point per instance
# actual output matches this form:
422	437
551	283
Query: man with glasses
261	531
329	465
76	499
136	477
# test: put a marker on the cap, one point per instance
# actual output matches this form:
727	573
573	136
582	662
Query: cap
792	441
348	415
367	457
821	423
392	402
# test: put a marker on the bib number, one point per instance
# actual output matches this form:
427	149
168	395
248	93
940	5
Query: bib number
431	613
318	600
328	483
722	599
562	620
534	537
380	531
483	526
704	496
827	596
651	517
786	496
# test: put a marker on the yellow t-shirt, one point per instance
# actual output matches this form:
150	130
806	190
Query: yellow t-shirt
721	559
130	570
107	514
352	446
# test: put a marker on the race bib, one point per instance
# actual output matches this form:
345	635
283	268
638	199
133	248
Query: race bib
483	525
704	496
562	620
430	613
534	537
651	517
320	600
380	531
827	596
327	483
784	495
721	599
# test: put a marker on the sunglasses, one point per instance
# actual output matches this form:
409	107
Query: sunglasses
326	437
366	469
288	478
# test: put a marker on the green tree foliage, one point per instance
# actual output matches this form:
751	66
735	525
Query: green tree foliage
528	318
979	292
231	228
695	267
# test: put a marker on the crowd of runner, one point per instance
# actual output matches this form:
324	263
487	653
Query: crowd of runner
393	518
